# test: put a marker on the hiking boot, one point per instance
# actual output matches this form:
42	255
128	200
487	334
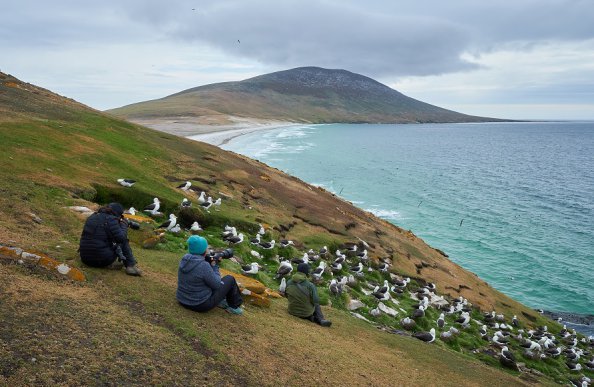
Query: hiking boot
223	304
237	311
324	323
133	270
116	265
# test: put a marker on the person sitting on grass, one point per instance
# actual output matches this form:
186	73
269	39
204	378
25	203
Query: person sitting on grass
199	284
303	297
104	240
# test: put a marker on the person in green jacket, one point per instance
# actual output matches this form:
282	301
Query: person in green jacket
303	297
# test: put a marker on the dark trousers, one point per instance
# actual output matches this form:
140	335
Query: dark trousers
107	256
124	254
228	291
317	315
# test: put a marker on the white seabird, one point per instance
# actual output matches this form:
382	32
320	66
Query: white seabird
464	319
186	203
131	211
235	239
515	321
255	254
285	242
419	313
267	245
250	269
507	358
319	271
261	231
185	186
441	321
154	207
228	233
283	285
407	323
334	287
202	197
427	337
284	269
126	182
256	240
336	267
175	229
169	224
207	204
358	269
195	227
217	203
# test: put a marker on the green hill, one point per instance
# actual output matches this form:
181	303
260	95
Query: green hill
305	94
115	329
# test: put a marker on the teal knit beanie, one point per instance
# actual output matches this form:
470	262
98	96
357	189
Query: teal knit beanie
197	245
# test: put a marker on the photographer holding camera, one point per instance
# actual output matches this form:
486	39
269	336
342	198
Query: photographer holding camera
104	240
199	284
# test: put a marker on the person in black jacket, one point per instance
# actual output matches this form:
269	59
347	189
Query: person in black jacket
104	240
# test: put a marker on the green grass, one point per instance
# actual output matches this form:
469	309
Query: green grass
67	155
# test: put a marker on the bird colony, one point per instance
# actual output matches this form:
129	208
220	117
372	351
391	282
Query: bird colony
369	287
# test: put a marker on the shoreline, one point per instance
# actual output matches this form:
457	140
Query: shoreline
222	136
215	130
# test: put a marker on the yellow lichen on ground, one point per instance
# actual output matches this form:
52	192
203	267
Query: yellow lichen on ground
253	291
139	218
20	256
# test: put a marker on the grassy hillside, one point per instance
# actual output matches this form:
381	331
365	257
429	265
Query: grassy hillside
305	94
115	329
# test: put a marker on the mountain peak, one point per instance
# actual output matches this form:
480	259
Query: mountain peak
302	94
318	77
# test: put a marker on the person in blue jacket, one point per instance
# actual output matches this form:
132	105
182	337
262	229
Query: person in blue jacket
104	240
199	283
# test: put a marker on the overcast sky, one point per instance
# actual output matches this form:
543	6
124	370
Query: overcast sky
508	59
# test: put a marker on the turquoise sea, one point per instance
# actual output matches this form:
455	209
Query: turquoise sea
512	202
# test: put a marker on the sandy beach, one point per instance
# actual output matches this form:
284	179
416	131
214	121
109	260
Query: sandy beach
218	131
221	136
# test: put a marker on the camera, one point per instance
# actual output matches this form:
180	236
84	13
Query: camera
218	255
132	224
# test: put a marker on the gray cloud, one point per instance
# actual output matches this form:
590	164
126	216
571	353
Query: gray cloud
109	53
375	38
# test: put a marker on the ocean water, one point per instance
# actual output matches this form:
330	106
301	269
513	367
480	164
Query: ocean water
511	202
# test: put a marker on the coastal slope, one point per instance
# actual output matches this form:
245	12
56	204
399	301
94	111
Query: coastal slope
114	329
304	94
